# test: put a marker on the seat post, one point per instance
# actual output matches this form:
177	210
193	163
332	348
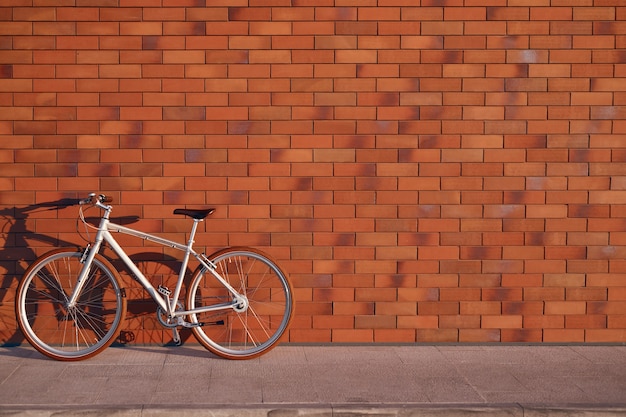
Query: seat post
192	234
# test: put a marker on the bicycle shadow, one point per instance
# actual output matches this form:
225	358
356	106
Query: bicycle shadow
20	246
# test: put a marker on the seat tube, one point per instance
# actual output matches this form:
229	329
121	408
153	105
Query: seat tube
184	263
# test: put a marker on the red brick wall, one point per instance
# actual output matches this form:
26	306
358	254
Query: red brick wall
425	170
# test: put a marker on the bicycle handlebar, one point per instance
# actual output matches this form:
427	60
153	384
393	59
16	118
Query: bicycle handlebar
95	199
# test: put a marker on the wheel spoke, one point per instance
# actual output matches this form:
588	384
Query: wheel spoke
248	331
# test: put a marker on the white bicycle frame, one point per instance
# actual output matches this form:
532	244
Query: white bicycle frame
163	301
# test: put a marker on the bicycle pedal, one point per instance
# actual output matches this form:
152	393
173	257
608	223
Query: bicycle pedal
164	291
202	324
176	337
189	325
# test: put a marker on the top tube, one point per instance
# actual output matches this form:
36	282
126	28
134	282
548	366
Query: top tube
112	227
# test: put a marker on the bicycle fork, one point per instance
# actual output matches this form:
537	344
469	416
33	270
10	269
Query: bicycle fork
86	260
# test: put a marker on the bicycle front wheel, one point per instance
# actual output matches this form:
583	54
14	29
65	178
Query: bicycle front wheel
241	332
61	332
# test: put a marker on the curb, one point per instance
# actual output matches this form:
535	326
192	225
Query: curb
322	410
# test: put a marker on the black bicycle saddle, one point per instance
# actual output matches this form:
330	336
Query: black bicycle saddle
196	214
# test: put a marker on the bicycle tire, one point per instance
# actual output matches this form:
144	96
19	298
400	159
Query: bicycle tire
257	329
57	331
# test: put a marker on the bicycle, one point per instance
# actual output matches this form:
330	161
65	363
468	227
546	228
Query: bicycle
70	304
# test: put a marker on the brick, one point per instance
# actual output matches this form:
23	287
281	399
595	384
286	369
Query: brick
562	335
352	335
459	322
437	335
544	322
521	335
524	308
605	335
473	335
34	14
501	322
565	307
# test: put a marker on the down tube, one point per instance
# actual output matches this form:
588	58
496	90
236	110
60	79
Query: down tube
140	277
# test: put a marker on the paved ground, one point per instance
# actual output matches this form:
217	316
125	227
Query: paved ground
372	380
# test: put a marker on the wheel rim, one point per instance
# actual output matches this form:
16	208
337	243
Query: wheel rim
242	332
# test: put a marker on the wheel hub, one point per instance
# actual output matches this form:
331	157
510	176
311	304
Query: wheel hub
240	304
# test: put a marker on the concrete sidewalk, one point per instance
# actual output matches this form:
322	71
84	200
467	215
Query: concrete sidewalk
329	380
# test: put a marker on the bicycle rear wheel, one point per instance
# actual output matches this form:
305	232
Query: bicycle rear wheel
241	333
64	333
